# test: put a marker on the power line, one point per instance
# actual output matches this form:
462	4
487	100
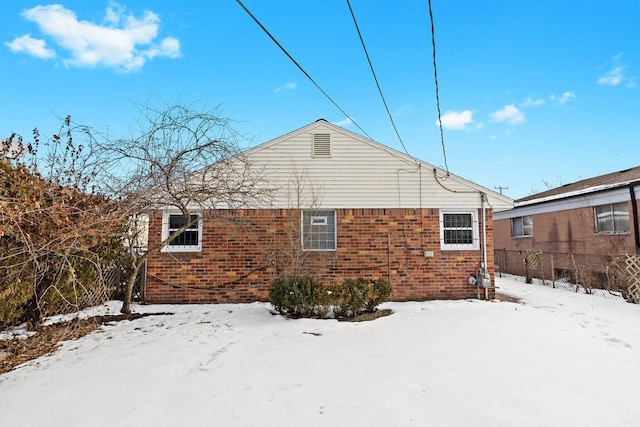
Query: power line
435	77
375	78
300	67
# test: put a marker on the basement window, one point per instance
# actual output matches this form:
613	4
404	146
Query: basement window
318	230
189	240
459	231
321	145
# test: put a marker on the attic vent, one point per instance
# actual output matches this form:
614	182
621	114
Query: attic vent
321	145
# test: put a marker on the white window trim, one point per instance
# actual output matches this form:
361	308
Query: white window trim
461	247
319	222
180	248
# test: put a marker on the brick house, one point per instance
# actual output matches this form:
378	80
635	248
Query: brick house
575	231
345	207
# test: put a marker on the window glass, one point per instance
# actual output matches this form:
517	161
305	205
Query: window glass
189	237
319	230
516	227
612	218
527	225
604	219
458	229
522	226
620	217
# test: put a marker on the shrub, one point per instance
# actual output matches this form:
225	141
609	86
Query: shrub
378	292
54	243
361	294
294	295
352	297
325	300
305	297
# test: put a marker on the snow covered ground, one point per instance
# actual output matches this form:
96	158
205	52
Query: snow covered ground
558	358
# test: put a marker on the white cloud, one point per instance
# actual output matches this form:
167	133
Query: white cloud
612	78
123	41
529	102
617	74
566	96
346	122
287	86
510	114
169	47
455	120
113	13
30	46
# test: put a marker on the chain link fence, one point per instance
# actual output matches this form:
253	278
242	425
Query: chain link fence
610	276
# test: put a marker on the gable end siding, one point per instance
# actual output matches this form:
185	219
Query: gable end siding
359	173
321	145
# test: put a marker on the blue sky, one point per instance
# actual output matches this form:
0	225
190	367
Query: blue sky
530	90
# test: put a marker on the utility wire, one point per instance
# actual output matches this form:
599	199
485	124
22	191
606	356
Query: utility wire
435	77
300	67
375	78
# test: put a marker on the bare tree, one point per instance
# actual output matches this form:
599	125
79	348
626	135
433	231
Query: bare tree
96	196
302	193
182	159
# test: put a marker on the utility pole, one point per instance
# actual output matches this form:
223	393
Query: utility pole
500	188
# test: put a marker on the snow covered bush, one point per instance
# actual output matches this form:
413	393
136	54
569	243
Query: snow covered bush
351	299
294	296
303	296
359	295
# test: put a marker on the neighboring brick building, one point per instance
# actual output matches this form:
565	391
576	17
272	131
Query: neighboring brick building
346	207
576	231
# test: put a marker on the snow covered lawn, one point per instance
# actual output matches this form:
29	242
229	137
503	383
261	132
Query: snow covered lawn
557	359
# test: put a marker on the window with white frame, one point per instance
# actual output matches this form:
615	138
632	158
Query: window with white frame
522	226
612	218
319	230
189	240
459	231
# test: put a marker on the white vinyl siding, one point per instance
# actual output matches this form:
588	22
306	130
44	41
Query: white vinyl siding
359	173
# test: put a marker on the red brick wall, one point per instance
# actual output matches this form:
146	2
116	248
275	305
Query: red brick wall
245	250
566	239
